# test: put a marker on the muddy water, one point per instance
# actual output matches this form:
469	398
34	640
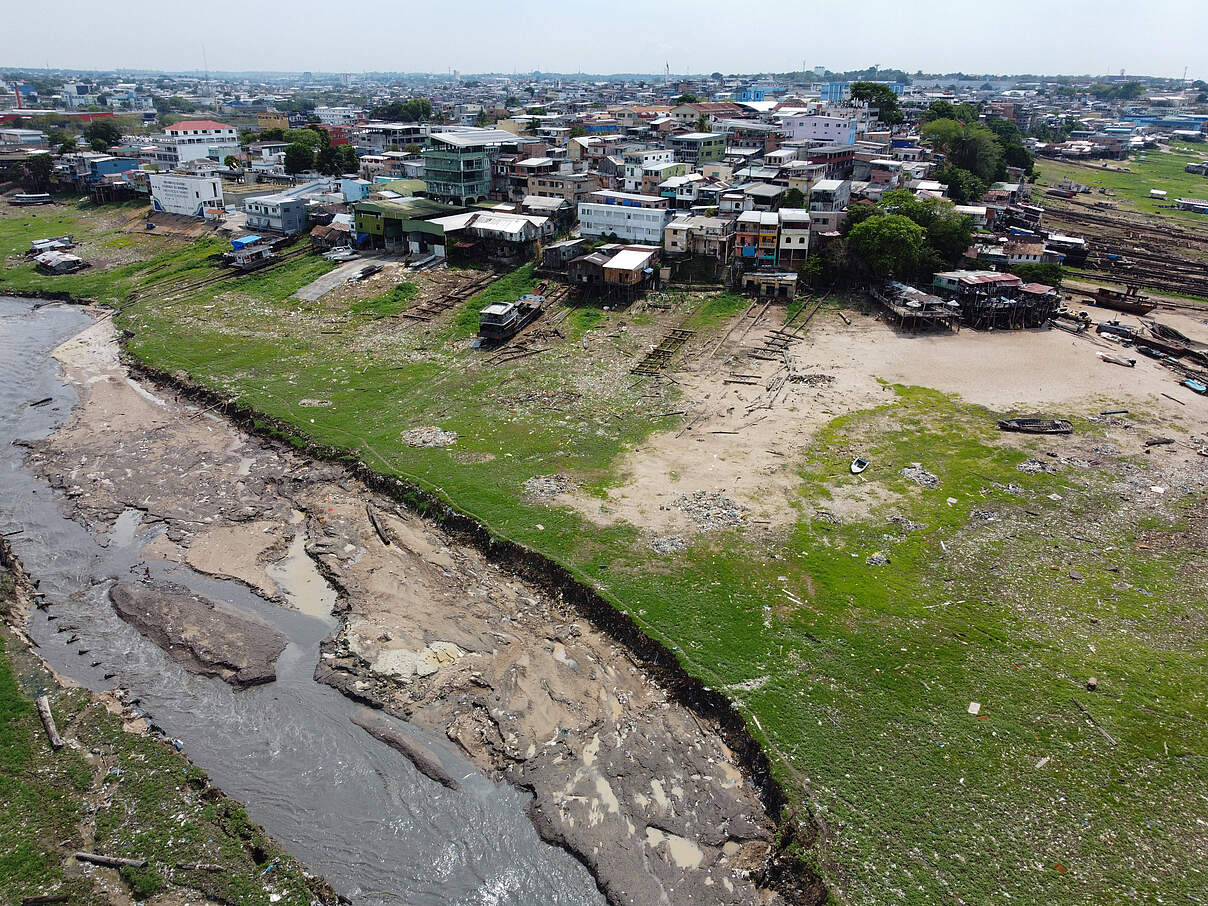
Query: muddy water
349	807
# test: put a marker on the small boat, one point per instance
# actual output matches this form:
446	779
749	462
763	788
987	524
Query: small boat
500	321
1118	360
1196	386
1036	425
859	464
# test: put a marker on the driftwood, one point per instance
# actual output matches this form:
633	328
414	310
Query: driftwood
110	861
199	866
48	721
377	525
41	402
45	898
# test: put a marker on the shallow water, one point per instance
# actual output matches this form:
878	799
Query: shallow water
347	806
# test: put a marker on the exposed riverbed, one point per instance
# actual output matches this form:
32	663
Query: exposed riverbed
116	482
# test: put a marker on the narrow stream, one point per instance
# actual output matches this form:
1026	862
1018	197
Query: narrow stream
348	807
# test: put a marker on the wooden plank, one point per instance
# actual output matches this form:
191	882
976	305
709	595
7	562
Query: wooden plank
48	721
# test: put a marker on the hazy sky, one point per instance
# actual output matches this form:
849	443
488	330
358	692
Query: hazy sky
1155	37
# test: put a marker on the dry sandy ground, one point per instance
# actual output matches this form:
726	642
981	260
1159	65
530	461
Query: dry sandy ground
749	454
641	789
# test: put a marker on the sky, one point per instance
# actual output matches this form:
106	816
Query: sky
1155	37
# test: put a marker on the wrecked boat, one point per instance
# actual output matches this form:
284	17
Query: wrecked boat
1036	425
1130	302
500	321
859	464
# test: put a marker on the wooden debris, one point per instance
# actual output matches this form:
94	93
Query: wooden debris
110	861
199	866
45	898
48	721
377	525
1094	723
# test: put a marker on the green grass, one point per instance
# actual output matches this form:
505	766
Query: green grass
388	303
1160	170
153	805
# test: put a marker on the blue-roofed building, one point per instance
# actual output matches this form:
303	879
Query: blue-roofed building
750	94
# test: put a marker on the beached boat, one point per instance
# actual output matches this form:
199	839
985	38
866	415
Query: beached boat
501	321
1036	425
859	464
1130	302
1196	386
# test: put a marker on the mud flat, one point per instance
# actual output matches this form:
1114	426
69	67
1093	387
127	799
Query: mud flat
636	785
206	636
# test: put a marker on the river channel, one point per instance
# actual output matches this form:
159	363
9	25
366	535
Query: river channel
349	807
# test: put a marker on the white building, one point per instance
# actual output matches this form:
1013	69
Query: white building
834	130
637	162
193	139
339	116
181	193
631	218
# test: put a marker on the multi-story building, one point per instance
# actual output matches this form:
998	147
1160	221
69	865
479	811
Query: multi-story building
794	236
631	218
457	165
339	116
709	237
574	187
757	237
195	139
829	199
388	136
182	193
698	147
637	162
280	213
834	130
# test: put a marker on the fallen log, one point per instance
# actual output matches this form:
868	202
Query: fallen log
110	861
377	525
45	898
48	721
41	402
199	866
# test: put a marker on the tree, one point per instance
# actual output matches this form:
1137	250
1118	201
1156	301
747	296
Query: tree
887	245
937	110
963	186
349	163
880	96
794	198
102	132
702	123
68	145
1049	273
35	173
231	162
971	147
577	132
511	101
687	98
299	158
482	119
412	110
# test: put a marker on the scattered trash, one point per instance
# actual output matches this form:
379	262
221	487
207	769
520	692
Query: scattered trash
711	510
974	708
1158	490
1042	762
1075	575
1034	467
907	525
668	544
429	436
920	476
1092	684
546	486
878	559
314	404
1055	496
1114	411
952	501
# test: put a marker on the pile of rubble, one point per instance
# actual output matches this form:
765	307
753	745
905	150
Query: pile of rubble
920	476
711	510
429	436
546	486
668	544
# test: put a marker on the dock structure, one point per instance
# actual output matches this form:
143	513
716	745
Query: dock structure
912	309
658	358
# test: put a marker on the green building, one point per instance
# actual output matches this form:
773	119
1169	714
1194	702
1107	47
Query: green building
698	147
457	165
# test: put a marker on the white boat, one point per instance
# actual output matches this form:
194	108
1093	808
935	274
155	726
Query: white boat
859	464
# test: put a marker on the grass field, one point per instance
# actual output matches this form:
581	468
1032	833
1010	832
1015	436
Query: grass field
138	798
1001	587
1160	170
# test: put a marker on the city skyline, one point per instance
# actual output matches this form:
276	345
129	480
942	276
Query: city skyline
689	38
